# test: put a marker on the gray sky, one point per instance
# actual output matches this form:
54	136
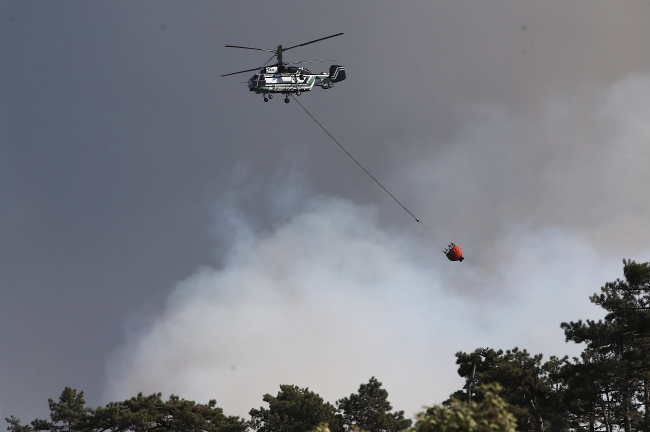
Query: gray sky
161	229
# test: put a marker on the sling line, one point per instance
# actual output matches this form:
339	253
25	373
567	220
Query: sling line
429	230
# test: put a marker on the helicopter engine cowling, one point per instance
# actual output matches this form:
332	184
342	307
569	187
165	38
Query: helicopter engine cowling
337	73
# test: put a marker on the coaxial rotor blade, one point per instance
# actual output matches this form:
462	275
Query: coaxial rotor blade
311	42
247	70
257	49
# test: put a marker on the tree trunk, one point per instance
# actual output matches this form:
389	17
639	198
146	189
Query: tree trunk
627	424
646	403
540	422
608	427
470	384
538	416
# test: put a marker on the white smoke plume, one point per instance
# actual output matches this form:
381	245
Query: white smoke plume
578	161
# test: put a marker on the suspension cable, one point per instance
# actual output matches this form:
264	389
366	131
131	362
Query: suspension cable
429	230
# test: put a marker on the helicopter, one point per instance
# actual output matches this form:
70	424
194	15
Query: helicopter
286	79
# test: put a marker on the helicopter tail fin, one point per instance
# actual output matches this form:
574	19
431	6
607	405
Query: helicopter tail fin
337	73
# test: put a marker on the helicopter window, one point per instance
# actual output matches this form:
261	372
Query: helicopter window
292	69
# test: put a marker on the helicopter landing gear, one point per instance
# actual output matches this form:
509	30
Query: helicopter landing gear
270	96
266	99
286	99
298	92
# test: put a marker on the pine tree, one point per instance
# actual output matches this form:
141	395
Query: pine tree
472	366
294	409
369	410
621	343
67	415
532	389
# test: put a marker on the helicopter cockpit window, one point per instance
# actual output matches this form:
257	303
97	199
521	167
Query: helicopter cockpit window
292	69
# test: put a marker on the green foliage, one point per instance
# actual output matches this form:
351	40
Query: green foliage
294	409
637	275
528	385
369	410
612	376
145	413
588	379
323	427
68	414
491	414
472	366
138	414
16	426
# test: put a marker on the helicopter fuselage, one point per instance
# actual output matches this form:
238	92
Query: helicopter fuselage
287	80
